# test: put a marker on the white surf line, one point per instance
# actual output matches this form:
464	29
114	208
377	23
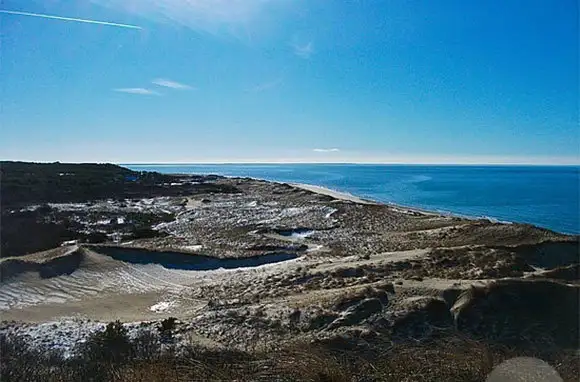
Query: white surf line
87	21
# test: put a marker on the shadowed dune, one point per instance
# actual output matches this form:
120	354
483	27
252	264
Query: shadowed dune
516	310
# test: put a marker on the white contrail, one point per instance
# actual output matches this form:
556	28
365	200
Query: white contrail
71	19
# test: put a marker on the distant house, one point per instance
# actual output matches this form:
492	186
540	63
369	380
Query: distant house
131	178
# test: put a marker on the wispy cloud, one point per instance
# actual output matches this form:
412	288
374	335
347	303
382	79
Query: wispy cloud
70	19
304	51
216	17
170	84
140	91
333	150
267	85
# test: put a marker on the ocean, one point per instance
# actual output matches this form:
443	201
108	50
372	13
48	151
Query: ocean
546	196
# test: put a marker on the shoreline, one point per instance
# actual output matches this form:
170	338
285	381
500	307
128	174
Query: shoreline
410	209
344	195
402	208
503	208
333	193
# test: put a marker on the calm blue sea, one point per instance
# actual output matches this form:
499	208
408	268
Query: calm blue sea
545	196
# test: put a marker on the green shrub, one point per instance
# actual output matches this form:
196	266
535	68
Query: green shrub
145	233
96	237
146	346
167	325
111	345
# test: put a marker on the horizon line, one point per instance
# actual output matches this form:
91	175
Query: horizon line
242	162
346	163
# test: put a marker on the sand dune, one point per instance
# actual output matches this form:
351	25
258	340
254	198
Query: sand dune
100	280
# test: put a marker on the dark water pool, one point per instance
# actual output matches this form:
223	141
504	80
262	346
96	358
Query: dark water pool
177	260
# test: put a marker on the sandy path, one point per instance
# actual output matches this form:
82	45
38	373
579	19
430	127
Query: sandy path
377	259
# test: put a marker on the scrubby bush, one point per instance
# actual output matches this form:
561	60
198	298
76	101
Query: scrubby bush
145	233
95	237
110	356
166	327
111	345
146	346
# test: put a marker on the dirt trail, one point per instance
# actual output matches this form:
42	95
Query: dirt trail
380	258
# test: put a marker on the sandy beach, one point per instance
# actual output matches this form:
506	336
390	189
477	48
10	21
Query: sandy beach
335	194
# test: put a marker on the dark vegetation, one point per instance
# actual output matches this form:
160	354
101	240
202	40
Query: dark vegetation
27	230
167	327
36	183
45	228
525	313
110	355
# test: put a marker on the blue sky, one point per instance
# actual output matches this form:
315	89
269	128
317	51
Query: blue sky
290	80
